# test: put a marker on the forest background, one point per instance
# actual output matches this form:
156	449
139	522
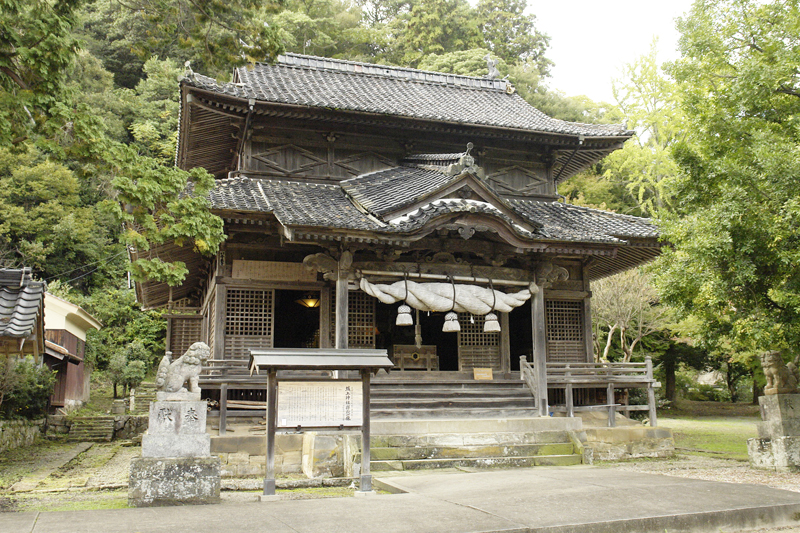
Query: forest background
88	128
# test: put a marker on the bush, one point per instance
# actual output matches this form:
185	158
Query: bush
708	393
31	390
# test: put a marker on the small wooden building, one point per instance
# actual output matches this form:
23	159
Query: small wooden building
66	325
334	173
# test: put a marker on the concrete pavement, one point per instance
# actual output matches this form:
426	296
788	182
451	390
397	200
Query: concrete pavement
541	499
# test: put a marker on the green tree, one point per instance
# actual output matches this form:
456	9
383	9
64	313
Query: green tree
36	47
128	367
434	27
733	263
511	35
649	102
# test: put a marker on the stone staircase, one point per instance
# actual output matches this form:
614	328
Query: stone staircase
144	394
91	429
474	450
456	396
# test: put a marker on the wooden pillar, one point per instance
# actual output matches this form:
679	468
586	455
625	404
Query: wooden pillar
612	409
325	317
223	409
342	304
365	484
651	393
505	343
220	311
272	421
539	349
587	316
568	393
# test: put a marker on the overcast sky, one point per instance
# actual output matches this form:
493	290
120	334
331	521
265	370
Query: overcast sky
590	41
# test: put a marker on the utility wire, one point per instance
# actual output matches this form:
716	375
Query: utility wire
86	265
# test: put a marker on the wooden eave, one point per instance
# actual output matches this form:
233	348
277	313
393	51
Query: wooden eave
574	151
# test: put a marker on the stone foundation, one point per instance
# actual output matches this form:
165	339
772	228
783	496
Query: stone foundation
160	481
317	455
778	444
632	442
18	433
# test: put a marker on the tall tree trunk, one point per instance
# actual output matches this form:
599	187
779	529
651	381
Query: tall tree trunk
757	391
115	391
669	380
608	342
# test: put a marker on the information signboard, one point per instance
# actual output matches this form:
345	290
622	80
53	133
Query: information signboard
319	404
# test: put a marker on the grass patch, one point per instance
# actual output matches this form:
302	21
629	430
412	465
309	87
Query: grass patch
723	437
72	501
20	462
99	403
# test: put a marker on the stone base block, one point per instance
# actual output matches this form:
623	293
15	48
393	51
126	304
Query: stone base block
781	454
176	445
173	481
614	444
781	416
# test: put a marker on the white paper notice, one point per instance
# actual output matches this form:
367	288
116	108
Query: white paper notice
319	404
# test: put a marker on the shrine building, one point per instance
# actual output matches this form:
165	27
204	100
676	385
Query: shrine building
372	206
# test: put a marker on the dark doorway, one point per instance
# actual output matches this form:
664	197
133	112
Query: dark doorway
520	334
296	324
389	334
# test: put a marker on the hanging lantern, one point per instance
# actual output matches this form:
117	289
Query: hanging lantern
404	311
451	322
404	316
491	325
451	319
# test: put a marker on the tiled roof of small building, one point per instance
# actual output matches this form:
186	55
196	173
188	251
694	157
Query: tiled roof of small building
388	190
20	302
394	91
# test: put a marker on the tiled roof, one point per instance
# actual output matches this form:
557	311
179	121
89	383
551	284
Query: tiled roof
388	190
294	203
419	217
400	92
297	203
574	223
20	302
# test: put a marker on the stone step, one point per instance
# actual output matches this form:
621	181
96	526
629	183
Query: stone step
469	439
476	462
469	452
453	402
501	392
450	412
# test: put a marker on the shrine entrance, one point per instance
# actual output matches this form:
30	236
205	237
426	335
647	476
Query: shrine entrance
453	352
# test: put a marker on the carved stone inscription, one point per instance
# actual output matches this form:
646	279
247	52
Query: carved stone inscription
319	404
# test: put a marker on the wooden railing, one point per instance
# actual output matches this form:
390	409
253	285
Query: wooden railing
570	376
528	374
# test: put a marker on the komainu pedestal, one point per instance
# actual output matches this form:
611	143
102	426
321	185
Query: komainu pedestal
176	466
778	444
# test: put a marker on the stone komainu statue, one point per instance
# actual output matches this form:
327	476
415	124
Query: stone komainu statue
172	375
781	378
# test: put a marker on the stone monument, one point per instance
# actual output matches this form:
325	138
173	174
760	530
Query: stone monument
778	444
176	466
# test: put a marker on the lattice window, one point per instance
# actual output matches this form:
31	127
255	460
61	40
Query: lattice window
477	349
249	312
361	320
183	332
564	322
249	321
